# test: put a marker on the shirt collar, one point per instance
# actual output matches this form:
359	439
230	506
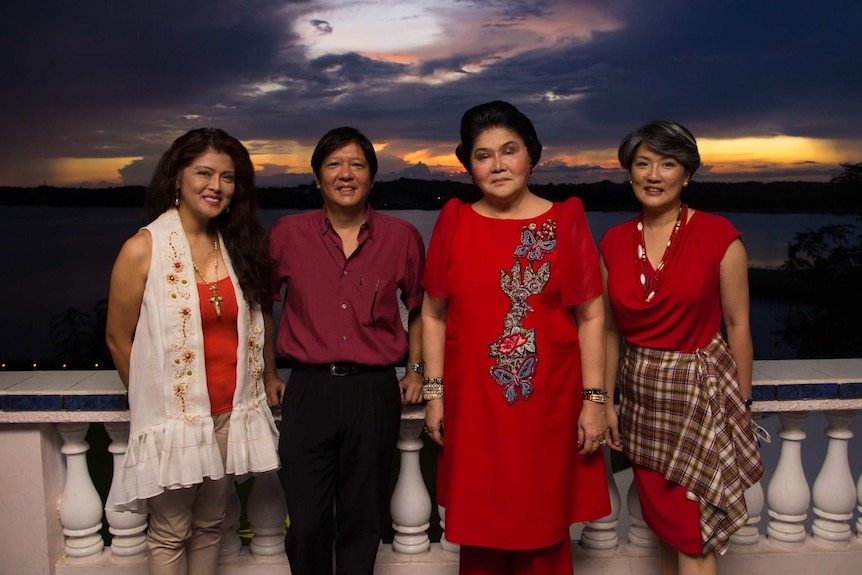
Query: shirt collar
370	217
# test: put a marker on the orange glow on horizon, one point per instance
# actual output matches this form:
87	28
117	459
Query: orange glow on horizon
750	155
75	171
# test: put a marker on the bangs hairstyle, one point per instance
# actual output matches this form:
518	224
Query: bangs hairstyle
665	137
244	237
185	149
336	139
496	114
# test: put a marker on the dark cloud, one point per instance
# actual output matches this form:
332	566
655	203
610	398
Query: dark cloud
107	79
322	26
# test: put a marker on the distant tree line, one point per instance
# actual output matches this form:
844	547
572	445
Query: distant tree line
842	195
821	277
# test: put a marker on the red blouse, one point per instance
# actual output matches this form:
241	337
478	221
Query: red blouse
220	345
685	312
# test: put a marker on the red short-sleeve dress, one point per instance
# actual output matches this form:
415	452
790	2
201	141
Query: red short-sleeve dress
509	474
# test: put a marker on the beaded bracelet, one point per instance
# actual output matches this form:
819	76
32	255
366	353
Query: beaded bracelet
432	388
596	395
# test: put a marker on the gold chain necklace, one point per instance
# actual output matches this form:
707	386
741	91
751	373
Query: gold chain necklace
215	298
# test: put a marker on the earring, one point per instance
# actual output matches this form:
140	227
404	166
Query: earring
631	182
177	199
227	210
685	183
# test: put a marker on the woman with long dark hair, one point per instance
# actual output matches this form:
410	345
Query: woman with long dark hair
186	333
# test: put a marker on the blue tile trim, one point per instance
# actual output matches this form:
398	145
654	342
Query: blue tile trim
32	403
763	392
808	391
850	391
104	402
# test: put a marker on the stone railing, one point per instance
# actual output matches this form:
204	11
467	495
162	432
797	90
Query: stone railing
54	514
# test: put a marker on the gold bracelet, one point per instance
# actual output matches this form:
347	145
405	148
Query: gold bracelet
432	388
596	395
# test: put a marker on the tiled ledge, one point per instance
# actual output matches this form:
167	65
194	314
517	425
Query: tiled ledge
99	395
807	384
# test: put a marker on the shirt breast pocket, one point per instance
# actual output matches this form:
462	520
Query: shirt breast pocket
379	302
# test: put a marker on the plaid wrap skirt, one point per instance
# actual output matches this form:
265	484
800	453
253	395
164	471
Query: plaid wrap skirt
682	415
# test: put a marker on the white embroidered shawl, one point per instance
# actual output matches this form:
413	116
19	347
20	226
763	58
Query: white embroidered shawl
171	441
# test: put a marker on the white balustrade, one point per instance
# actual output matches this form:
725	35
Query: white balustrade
748	535
859	508
832	535
128	529
230	541
267	512
641	538
600	536
80	505
445	544
410	504
833	494
788	495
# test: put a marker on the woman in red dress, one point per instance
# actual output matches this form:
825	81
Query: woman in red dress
513	322
672	274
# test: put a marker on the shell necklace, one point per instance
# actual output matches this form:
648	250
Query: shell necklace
652	281
215	298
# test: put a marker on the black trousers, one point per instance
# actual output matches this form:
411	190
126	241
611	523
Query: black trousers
337	441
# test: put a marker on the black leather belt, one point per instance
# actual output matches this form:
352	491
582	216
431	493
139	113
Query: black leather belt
339	368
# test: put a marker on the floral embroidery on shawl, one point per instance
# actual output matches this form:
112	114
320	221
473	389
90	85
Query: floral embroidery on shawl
515	350
185	359
255	359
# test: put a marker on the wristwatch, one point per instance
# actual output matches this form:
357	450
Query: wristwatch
417	367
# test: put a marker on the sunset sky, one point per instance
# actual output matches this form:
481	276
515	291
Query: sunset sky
95	91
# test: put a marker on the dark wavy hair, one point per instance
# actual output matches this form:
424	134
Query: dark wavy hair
665	137
496	114
336	139
244	237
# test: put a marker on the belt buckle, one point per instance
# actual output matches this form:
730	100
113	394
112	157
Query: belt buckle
334	370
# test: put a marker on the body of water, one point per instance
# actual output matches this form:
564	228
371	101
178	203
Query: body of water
61	258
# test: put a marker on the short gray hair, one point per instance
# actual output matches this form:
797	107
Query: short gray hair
664	137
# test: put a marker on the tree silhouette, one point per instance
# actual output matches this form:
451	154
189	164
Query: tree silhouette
79	337
852	174
825	273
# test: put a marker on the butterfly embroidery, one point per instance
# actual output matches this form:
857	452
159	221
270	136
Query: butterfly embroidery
516	385
532	247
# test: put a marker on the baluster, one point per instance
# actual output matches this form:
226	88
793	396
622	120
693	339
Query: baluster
788	496
748	535
834	492
410	504
129	541
80	506
859	508
445	544
267	511
600	536
641	537
230	541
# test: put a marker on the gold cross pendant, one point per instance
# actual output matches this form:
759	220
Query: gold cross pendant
216	301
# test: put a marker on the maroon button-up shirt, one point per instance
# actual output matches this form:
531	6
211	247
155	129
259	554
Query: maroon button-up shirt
345	309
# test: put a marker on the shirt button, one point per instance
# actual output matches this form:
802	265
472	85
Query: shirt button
344	306
344	272
343	338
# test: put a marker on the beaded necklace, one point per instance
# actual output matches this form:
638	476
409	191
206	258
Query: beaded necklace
652	281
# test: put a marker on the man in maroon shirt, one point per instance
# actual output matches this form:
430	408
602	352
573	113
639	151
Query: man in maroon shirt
343	269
